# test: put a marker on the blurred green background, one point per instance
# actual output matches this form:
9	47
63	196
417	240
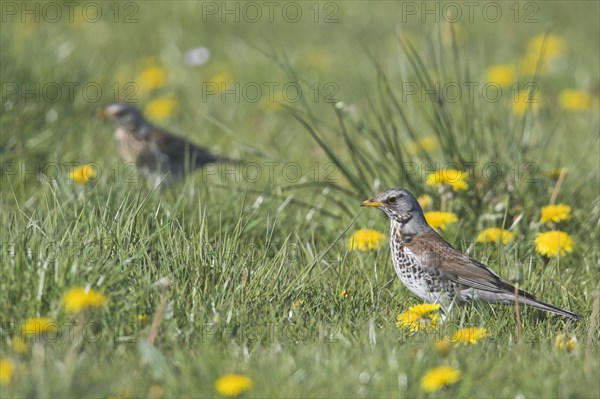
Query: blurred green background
330	43
258	266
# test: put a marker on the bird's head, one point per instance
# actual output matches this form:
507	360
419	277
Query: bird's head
124	115
400	206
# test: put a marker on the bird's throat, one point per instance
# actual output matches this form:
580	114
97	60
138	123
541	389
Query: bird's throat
399	228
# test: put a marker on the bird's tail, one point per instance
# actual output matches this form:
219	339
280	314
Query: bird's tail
201	157
530	301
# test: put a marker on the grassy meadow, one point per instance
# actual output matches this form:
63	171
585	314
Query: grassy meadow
249	271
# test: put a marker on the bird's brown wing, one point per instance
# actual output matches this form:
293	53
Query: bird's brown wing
458	267
180	150
471	273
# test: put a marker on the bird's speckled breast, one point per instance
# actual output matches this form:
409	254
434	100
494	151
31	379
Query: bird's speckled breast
129	147
409	269
406	264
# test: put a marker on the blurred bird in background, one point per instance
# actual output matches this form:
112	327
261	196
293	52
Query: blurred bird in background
157	153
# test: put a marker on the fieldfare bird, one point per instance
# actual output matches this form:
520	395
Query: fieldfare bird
432	269
156	152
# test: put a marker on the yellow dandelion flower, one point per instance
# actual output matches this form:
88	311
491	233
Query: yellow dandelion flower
553	243
425	201
451	177
502	75
494	235
551	46
221	81
7	369
365	240
19	345
143	319
442	347
415	323
437	378
161	108
345	293
152	77
77	299
469	335
83	174
555	213
38	325
554	173
423	309
233	384
575	100
531	63
525	100
423	317
425	144
564	342
439	220
298	303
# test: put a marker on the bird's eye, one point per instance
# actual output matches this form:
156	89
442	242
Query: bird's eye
392	199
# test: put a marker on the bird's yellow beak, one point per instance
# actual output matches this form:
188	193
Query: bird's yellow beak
102	113
371	203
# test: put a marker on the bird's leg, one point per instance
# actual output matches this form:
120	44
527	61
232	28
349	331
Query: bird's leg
445	307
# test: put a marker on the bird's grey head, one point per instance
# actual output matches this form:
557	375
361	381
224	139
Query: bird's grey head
126	116
401	207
